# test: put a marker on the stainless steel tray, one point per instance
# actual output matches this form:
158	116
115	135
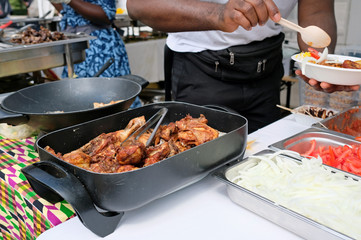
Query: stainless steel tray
29	58
300	142
340	121
284	217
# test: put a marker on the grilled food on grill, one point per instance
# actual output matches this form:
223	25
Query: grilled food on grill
31	36
108	154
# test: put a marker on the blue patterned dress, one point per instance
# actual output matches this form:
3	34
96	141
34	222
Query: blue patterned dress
108	44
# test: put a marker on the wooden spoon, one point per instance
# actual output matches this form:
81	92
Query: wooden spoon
311	35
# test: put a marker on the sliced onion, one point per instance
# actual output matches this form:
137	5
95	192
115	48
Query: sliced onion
307	187
323	55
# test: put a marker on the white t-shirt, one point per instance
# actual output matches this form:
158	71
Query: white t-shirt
197	41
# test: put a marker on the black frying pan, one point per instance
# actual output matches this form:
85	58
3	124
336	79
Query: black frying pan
115	193
39	105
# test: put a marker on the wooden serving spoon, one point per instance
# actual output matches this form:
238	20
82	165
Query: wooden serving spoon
311	35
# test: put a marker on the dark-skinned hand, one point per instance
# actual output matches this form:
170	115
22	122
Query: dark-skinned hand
324	86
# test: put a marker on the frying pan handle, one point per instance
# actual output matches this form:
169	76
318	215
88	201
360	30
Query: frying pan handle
54	183
106	65
12	118
138	79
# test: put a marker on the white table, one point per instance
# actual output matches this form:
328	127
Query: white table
146	59
200	211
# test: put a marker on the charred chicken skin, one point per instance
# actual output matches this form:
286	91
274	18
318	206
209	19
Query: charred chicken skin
108	153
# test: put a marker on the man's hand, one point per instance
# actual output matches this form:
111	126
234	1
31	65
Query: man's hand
201	15
326	87
247	14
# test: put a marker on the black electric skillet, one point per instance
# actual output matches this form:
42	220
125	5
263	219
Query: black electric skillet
101	199
54	105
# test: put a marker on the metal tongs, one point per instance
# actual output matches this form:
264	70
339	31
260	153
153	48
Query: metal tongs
3	26
155	119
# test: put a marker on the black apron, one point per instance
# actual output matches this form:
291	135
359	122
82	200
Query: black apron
244	78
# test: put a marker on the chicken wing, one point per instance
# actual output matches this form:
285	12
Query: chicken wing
101	142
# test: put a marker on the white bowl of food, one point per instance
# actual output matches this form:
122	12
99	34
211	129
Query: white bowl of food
330	70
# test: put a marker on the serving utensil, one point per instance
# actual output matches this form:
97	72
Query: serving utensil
155	119
3	26
311	35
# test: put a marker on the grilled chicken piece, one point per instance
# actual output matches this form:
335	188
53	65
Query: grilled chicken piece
195	131
131	153
181	146
50	150
107	165
102	142
126	168
144	137
351	64
76	157
166	132
119	160
157	153
174	149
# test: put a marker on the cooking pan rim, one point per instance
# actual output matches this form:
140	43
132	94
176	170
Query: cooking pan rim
70	112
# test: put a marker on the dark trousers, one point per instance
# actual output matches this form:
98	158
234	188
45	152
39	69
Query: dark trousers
244	78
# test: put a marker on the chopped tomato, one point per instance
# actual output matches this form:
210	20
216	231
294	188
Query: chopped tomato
332	157
314	53
309	152
346	158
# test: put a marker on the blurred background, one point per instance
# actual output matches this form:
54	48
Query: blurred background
145	48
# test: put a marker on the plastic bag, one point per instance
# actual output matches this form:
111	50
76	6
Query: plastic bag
17	132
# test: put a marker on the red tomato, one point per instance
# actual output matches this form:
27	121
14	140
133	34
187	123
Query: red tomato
347	158
333	162
314	53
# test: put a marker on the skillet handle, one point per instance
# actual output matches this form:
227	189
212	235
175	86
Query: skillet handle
12	118
53	183
138	79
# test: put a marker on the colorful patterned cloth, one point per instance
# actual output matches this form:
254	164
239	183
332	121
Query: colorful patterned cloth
23	214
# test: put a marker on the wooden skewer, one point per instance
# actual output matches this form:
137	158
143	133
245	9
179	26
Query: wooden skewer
286	108
307	112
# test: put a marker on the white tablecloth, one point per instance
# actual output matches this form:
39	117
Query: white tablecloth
146	59
200	211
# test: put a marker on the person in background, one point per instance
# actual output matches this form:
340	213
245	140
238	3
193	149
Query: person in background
95	17
230	52
5	9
